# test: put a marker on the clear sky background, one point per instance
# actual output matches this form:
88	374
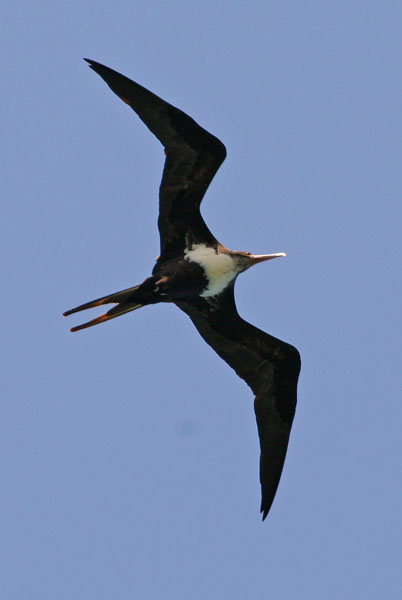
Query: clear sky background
129	452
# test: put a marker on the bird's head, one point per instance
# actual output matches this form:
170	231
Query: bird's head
245	260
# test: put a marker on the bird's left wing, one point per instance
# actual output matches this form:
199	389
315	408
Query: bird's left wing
193	155
269	366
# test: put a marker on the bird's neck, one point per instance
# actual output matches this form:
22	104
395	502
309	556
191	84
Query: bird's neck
220	267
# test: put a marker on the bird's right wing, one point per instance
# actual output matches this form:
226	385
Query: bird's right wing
269	366
192	158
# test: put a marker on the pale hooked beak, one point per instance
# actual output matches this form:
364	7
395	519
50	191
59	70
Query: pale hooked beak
256	258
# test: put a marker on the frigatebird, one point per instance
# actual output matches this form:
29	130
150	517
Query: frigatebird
197	274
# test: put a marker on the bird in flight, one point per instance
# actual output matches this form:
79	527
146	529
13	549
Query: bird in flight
197	273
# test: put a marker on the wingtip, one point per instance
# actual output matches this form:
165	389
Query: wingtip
264	510
91	63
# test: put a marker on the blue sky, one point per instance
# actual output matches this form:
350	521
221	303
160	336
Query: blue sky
129	452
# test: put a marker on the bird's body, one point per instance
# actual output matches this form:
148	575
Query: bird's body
197	273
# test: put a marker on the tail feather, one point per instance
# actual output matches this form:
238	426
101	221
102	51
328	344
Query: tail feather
110	299
114	312
124	300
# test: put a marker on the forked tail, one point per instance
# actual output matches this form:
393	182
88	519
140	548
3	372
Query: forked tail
125	301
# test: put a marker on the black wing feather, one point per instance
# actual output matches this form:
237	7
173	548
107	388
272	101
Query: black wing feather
192	158
269	366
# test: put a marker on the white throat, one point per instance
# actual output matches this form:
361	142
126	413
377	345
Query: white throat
220	269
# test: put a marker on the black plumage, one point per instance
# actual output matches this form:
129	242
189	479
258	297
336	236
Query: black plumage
197	273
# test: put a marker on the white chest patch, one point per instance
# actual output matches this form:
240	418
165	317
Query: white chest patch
220	269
